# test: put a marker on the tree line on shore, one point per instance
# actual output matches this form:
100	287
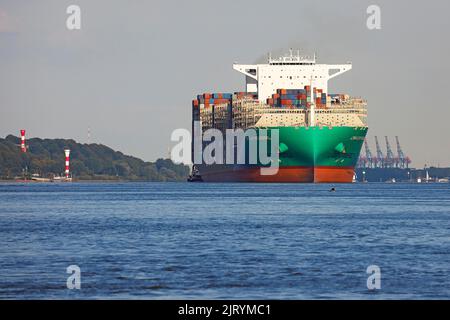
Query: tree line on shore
87	162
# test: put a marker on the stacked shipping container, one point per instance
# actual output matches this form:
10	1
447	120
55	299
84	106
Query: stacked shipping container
213	100
283	98
298	98
213	104
210	99
209	105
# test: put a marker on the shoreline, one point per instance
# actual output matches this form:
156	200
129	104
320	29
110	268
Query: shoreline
82	181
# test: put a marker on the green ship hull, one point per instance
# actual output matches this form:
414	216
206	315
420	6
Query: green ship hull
306	154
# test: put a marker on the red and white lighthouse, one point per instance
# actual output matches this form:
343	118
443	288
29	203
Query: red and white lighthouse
23	147
67	152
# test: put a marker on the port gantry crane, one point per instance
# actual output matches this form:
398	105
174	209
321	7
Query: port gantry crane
369	158
403	161
362	160
380	156
380	161
390	160
366	160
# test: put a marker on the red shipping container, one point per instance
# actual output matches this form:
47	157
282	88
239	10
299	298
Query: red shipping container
286	101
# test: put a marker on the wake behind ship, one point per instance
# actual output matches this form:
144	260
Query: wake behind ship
320	134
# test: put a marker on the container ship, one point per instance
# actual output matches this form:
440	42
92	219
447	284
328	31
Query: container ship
320	134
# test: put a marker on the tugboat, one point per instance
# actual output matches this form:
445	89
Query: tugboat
195	176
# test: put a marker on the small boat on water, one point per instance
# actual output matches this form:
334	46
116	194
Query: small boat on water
194	176
40	179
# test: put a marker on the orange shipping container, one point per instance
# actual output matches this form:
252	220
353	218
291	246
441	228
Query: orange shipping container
220	101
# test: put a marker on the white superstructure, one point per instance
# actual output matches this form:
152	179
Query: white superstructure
292	71
308	108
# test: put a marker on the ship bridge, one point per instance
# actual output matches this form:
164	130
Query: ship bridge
291	71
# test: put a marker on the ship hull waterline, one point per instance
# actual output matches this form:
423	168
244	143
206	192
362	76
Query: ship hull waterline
307	155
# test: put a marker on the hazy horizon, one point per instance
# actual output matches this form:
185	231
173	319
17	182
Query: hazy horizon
132	70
